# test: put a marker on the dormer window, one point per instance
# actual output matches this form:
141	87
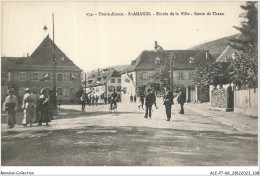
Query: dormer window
191	60
157	60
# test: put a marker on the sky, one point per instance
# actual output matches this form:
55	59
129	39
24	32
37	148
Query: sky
102	41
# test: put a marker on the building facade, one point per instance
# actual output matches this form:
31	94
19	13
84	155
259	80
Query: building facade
36	72
140	72
101	83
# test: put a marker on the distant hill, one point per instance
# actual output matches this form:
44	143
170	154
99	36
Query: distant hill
117	67
215	47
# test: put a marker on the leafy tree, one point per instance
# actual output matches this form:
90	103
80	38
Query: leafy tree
216	73
245	67
162	76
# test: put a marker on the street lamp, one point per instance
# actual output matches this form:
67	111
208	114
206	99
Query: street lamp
54	67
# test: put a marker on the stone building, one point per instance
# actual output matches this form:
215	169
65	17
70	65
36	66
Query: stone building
36	72
140	72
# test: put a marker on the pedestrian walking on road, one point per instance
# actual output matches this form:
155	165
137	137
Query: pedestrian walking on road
93	99
131	98
97	100
168	102
142	95
148	104
105	100
135	98
83	101
44	108
181	100
10	105
28	107
154	99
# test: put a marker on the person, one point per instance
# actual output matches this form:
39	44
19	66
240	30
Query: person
135	98
168	102
154	99
148	104
44	108
93	99
83	101
10	105
113	99
119	98
131	98
142	95
181	100
28	107
89	99
59	98
97	100
105	99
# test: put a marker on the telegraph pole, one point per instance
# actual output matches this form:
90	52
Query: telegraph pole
172	56
54	68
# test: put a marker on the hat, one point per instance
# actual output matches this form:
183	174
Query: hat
27	90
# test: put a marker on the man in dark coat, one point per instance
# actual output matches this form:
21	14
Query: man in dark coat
181	100
148	103
168	102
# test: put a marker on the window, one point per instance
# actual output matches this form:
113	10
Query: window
180	77
59	91
22	76
112	80
118	88
119	80
144	75
35	76
111	88
73	77
45	76
157	60
191	60
72	91
190	75
60	77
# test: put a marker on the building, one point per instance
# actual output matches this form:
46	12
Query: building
140	72
36	72
103	82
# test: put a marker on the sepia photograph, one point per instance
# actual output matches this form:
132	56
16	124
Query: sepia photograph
171	83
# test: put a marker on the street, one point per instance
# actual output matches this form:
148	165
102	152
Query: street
96	137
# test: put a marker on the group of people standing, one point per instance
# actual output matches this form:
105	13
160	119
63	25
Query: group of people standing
87	98
150	99
33	105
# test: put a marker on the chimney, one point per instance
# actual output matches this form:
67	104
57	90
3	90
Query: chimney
27	54
207	54
155	45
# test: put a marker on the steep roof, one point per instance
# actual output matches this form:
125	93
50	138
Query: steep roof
43	56
146	60
10	62
216	47
226	55
101	77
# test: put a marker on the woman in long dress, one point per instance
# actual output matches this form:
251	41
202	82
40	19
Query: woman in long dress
28	106
44	107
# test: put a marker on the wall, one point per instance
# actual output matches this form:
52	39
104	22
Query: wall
219	98
186	80
69	88
129	86
246	101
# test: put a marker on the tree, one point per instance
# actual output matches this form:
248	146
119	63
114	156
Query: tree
245	68
216	73
161	75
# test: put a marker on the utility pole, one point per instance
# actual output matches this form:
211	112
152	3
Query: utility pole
85	83
54	69
172	57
